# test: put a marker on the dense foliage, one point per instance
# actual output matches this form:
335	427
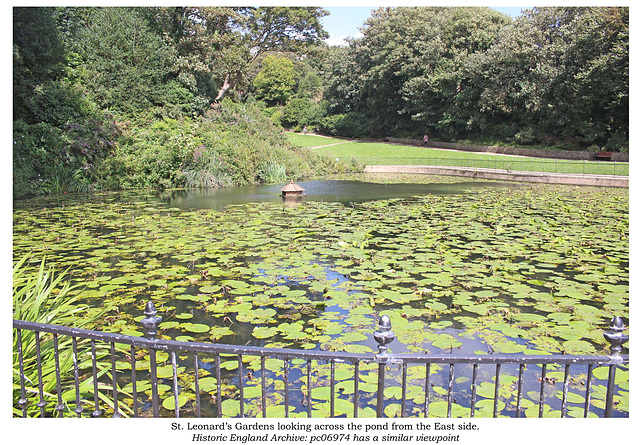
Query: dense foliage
121	97
554	75
136	97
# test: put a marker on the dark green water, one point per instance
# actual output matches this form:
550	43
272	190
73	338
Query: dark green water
343	191
462	267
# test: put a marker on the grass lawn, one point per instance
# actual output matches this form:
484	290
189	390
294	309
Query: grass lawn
311	140
380	153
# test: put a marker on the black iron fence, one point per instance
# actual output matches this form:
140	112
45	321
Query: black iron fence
76	372
510	164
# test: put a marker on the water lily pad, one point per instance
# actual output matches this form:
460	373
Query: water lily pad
194	327
264	332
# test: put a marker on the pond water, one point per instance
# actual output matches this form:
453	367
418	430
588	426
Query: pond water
342	191
460	267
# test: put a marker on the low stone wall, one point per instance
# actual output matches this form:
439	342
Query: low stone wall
519	151
501	175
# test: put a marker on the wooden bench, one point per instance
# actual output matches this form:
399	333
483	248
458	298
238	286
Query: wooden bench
604	155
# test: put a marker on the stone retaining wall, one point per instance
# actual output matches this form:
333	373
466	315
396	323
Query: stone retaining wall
534	152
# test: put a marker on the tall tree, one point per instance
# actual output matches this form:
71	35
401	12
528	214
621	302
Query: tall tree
412	59
270	29
39	58
125	64
276	80
205	45
560	74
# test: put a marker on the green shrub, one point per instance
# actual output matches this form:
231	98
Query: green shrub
234	144
351	125
300	113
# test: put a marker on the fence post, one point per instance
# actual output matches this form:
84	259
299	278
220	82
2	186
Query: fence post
150	323
616	339
384	335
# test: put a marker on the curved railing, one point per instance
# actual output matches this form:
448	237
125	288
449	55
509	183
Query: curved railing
96	371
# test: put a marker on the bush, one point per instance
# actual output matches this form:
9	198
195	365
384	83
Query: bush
618	142
352	125
300	113
234	144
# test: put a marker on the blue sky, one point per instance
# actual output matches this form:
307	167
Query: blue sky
344	21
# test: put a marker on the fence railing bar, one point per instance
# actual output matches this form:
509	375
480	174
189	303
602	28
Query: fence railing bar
114	382
474	384
97	412
521	369
565	391
450	390
212	348
76	376
309	389
380	394
587	391
218	387
153	377
23	399
403	402
56	353
542	381
196	371
548	166
356	394
286	387
241	384
176	398
41	404
610	389
496	393
332	386
134	383
263	384
427	387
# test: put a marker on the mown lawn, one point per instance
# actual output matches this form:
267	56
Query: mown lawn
311	140
380	153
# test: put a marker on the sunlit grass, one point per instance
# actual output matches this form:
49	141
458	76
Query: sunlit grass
380	153
311	140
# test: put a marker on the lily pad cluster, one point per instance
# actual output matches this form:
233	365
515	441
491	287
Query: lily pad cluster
536	269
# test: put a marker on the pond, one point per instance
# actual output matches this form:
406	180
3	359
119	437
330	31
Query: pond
336	190
460	267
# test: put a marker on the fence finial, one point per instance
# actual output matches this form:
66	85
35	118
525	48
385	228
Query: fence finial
384	335
151	322
615	337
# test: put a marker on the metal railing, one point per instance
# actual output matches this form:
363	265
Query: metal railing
509	164
107	378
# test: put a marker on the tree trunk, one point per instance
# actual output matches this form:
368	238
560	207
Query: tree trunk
225	87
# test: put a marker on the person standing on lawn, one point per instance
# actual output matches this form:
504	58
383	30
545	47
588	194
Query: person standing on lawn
425	140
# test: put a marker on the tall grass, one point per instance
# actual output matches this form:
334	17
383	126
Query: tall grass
272	172
43	296
211	174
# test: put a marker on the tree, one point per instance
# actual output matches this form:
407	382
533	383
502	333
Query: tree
205	45
276	81
408	67
38	59
559	74
125	65
272	29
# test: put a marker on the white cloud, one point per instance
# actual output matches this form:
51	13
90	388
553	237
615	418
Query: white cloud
340	40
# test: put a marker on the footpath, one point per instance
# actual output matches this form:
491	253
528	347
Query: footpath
504	175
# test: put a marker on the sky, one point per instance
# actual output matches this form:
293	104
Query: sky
344	21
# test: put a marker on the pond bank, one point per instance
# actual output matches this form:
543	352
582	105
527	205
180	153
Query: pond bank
503	175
